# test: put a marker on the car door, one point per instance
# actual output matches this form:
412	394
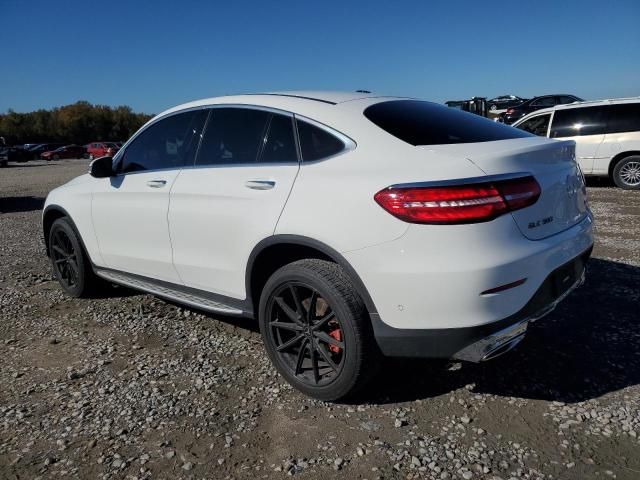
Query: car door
129	210
623	135
232	197
586	126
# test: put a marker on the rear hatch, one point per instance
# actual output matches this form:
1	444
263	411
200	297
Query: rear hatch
563	198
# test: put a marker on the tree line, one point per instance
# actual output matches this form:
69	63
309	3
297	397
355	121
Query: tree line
78	123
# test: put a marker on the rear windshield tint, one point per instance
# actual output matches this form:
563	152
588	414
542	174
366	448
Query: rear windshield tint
425	123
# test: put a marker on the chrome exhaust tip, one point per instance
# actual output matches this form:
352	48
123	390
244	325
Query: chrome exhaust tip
502	348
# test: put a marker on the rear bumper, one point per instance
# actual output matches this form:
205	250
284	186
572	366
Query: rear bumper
483	342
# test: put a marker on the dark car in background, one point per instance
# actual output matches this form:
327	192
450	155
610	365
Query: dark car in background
102	149
504	101
13	154
68	151
515	113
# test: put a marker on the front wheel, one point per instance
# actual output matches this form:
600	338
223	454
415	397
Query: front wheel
317	331
626	173
71	266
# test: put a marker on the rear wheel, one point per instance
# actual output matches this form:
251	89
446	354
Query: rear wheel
316	330
56	157
626	173
71	266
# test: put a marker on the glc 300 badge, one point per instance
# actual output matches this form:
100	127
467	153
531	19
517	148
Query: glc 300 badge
539	223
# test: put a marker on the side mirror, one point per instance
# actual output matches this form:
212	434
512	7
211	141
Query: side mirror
101	167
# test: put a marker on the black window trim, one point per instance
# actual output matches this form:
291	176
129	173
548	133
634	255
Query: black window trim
349	143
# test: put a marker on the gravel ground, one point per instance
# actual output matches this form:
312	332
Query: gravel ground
130	386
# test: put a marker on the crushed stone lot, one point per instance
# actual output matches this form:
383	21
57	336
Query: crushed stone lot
131	386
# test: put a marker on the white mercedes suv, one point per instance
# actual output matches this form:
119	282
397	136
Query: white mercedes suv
352	226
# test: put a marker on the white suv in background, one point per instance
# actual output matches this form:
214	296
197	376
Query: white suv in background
350	225
606	132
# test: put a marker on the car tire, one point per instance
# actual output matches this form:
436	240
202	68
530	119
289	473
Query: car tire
56	157
70	263
315	302
626	173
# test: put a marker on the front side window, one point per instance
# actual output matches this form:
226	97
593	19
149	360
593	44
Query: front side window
424	123
624	117
168	143
573	122
317	143
233	136
536	125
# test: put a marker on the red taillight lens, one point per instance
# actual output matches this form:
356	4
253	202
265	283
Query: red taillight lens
472	203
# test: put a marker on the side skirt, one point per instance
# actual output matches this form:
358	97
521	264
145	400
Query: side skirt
178	293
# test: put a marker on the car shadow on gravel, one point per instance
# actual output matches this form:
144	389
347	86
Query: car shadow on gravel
20	204
599	182
589	346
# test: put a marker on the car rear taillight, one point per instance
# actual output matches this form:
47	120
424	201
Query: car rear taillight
456	204
509	111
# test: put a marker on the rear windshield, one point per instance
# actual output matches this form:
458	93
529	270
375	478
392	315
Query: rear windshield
425	123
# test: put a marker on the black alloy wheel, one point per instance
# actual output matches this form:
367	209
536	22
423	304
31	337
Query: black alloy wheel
317	331
65	259
306	333
71	265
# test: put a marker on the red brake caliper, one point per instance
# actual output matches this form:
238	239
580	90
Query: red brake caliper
337	334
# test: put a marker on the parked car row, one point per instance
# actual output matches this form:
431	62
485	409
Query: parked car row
606	132
56	151
510	108
516	112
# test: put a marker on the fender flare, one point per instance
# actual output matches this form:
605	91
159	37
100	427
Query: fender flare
58	208
325	249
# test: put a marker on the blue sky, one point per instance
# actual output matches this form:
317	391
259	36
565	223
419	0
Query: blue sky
153	55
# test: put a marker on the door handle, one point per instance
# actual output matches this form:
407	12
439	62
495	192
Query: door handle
156	183
260	184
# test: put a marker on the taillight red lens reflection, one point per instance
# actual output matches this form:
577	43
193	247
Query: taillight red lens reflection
457	204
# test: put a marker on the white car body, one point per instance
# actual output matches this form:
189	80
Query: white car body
201	228
596	153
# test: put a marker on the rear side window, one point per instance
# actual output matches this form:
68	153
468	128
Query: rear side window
624	118
579	122
168	143
233	136
316	143
544	102
425	123
567	99
280	145
536	125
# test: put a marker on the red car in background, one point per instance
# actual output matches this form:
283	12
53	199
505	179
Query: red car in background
69	151
102	149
